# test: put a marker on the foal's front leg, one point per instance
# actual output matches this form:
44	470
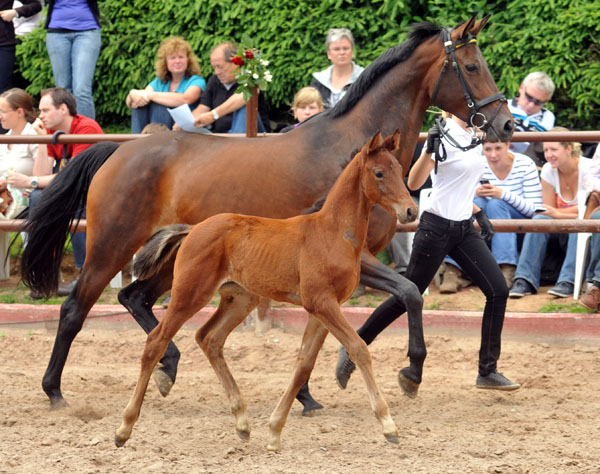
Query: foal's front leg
312	341
330	315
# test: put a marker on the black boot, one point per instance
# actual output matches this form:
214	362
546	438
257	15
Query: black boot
309	403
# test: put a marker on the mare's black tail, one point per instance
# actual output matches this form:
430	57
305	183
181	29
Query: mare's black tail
49	222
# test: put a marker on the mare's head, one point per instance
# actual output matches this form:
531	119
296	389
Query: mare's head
460	81
382	177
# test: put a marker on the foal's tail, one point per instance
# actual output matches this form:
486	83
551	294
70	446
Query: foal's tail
161	248
50	220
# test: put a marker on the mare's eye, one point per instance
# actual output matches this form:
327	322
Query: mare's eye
471	67
379	174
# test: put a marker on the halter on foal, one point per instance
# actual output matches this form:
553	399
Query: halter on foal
312	260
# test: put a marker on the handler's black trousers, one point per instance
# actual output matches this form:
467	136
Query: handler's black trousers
435	238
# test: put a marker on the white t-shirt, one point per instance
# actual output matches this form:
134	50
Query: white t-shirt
550	175
21	157
457	178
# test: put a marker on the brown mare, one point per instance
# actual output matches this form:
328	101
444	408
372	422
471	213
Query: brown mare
179	177
311	260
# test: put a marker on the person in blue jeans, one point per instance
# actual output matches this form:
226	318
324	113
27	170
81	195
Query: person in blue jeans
562	177
177	82
73	43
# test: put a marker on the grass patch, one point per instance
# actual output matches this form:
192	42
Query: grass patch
564	308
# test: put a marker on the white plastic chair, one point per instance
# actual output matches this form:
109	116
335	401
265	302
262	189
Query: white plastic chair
583	243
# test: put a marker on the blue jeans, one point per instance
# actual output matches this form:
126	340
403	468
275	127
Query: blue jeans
151	113
238	125
73	56
593	268
77	238
533	253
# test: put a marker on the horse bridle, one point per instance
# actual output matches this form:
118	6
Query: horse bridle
474	114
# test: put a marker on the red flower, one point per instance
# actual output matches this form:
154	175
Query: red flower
249	54
237	61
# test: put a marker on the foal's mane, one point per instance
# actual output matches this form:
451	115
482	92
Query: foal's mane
396	54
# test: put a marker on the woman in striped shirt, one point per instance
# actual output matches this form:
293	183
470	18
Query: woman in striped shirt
510	189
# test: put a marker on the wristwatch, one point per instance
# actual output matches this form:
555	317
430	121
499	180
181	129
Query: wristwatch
215	114
33	183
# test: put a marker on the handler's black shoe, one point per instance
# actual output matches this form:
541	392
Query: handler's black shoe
344	368
496	381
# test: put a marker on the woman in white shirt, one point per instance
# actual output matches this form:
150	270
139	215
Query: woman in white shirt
446	228
16	114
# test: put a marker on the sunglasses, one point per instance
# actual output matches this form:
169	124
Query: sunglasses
535	101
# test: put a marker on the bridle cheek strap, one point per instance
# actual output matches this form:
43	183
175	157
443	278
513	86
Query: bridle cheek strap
476	119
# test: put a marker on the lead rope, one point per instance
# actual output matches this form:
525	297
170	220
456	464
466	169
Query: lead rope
440	157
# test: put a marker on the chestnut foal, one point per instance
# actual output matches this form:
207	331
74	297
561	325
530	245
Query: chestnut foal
310	260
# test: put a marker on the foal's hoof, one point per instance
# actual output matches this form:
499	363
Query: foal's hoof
163	381
119	442
392	438
244	435
409	387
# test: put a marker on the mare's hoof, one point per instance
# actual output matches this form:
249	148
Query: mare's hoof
163	381
58	404
311	409
409	387
392	438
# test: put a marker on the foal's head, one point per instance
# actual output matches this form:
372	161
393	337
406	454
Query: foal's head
382	177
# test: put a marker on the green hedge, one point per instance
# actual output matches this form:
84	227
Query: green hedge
559	37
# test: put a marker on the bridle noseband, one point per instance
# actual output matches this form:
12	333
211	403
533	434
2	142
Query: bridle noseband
476	118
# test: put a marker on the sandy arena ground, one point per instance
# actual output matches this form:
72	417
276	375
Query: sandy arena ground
551	425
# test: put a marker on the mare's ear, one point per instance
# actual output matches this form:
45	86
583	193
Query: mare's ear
479	25
375	143
464	29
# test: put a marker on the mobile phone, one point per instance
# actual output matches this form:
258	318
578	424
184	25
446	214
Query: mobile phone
484	181
540	209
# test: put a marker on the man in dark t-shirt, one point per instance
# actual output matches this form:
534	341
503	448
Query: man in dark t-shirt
215	109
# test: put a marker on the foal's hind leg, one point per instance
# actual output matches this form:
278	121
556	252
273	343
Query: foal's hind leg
138	298
312	341
184	304
236	303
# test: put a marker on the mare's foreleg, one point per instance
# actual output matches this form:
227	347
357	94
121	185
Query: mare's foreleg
312	341
236	303
376	275
138	298
330	315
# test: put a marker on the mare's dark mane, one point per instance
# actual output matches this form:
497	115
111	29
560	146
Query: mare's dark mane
397	54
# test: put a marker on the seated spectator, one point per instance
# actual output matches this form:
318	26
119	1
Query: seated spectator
16	114
307	102
154	128
177	82
530	114
219	102
334	81
591	298
562	177
58	113
510	189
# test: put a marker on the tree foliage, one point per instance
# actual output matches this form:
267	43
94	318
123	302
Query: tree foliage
558	36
